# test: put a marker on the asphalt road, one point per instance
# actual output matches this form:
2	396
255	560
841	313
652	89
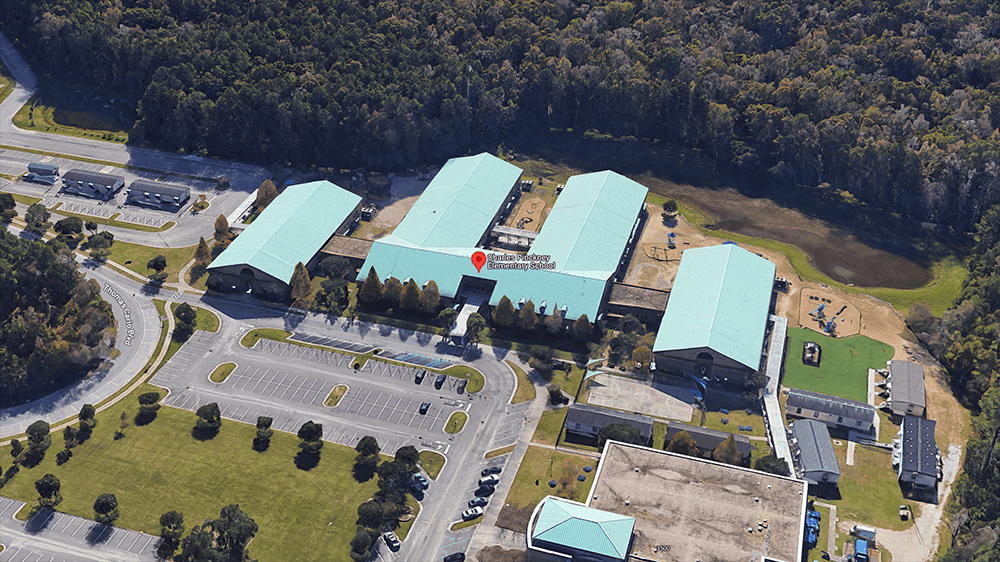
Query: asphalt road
244	178
138	331
51	536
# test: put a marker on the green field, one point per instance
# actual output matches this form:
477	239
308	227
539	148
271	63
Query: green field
549	426
205	320
844	364
869	490
432	463
303	515
545	465
525	388
138	255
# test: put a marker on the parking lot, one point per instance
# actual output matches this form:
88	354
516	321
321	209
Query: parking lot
280	384
510	426
103	541
392	408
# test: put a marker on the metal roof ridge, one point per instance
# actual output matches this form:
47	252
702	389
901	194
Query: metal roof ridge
713	316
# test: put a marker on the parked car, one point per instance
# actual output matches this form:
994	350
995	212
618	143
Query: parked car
461	386
392	541
472	513
478	502
496	469
454	557
492	479
424	407
440	380
485	490
420	481
420	376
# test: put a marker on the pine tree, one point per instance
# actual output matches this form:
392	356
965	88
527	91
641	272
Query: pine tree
371	289
684	444
554	322
503	314
392	291
527	319
300	283
582	329
410	300
265	194
430	298
727	452
221	228
202	254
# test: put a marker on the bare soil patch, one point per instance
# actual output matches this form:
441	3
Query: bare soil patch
498	554
515	518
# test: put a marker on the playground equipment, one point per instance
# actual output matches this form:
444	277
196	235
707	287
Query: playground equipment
670	240
830	326
818	313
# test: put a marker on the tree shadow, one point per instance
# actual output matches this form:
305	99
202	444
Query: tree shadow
204	433
98	533
144	418
362	473
306	461
472	353
261	445
33	458
39	521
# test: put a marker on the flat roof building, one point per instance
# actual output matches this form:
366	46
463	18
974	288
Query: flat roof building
92	184
704	510
907	395
570	264
564	530
919	463
291	230
157	195
815	459
588	420
831	410
716	316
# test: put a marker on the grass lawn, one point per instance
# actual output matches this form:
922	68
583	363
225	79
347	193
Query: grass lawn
824	532
336	394
659	435
549	426
252	336
303	515
869	490
569	381
138	255
222	372
525	388
713	420
73	111
463	524
456	422
844	364
111	221
7	84
432	463
404	526
476	379
501	451
206	319
887	428
545	465
26	199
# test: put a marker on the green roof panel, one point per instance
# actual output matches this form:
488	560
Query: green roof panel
584	528
720	299
291	229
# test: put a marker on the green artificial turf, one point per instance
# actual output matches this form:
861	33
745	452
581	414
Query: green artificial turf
303	515
844	364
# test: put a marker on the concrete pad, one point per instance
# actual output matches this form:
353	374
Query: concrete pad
657	400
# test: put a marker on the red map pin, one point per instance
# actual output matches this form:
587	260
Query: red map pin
479	260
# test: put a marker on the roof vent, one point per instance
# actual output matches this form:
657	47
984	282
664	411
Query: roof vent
628	502
637	469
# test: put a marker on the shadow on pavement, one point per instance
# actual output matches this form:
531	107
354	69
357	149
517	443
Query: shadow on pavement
98	533
40	521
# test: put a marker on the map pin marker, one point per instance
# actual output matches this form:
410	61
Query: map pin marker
479	260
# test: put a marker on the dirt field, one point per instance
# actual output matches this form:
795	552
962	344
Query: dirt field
848	316
405	192
532	211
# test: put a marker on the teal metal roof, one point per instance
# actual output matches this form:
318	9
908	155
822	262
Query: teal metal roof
291	229
720	300
584	235
459	204
591	222
583	528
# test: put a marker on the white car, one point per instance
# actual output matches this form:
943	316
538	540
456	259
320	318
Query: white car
492	479
472	513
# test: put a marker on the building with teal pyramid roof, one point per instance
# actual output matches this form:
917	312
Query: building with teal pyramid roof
561	529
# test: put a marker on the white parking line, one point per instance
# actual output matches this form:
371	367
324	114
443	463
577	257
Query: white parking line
137	537
121	540
260	380
9	505
77	530
150	539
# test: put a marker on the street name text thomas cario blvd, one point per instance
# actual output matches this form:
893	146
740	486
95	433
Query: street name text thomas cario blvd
129	331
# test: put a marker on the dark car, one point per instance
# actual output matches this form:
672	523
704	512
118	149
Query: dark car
478	502
440	380
485	490
491	470
461	386
420	376
424	407
456	557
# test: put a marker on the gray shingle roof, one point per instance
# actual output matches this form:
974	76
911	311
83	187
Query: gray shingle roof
815	447
831	405
600	417
160	188
919	451
706	438
907	383
95	178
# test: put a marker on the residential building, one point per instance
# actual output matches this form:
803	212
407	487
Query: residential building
907	395
92	184
815	459
588	420
831	410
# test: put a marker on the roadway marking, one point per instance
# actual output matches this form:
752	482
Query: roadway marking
137	537
150	539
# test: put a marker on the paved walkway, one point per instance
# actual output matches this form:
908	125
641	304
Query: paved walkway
832	535
773	416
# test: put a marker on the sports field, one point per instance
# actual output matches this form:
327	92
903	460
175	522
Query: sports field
844	364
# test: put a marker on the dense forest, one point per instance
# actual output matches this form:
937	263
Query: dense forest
896	102
54	326
965	340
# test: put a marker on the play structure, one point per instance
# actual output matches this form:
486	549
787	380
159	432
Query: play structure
817	309
670	240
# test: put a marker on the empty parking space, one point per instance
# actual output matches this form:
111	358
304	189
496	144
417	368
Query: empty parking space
8	508
292	351
509	427
331	342
279	384
392	408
